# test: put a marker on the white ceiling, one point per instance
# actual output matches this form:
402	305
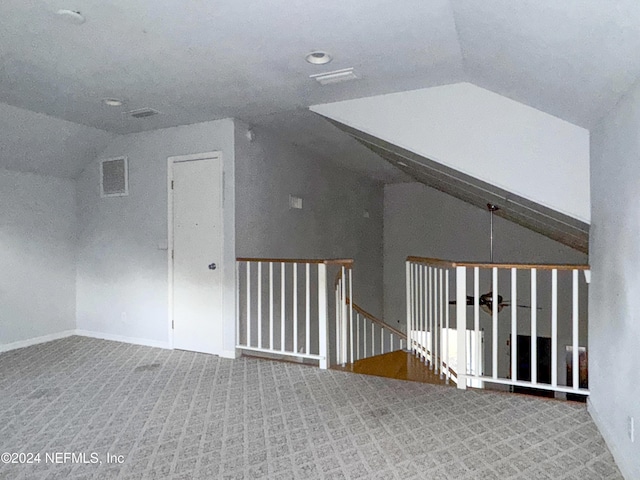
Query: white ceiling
196	60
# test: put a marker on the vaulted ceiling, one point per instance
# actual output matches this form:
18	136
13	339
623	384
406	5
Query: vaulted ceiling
196	60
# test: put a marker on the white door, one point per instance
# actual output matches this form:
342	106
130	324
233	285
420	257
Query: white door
197	294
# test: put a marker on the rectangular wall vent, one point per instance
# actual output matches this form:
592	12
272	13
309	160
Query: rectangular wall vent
143	113
114	177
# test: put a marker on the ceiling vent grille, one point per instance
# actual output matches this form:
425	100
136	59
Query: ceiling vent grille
337	76
114	177
143	113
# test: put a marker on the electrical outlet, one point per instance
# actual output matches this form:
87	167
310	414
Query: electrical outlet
631	429
123	317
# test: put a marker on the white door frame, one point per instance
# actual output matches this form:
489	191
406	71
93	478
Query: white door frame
170	161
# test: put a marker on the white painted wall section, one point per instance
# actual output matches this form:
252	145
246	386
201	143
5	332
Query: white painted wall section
37	257
614	304
122	280
490	137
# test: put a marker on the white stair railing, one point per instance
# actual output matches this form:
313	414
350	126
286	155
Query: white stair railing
359	334
548	311
282	307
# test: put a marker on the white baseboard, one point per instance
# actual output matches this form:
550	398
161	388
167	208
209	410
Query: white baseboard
35	341
119	338
233	354
625	467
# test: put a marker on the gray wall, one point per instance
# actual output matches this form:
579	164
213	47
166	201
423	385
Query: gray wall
422	221
37	256
614	327
122	280
332	222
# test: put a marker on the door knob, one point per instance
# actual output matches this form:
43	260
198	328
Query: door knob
212	266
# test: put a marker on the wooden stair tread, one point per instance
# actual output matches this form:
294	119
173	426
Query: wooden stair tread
400	365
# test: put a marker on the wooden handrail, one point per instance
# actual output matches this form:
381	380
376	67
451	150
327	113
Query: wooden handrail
523	266
379	322
347	262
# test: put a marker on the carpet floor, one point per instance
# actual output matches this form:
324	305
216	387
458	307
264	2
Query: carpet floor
107	410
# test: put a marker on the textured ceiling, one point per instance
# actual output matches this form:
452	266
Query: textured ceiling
196	60
202	60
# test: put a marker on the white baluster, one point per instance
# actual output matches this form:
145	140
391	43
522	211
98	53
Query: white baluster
495	307
534	326
283	305
476	320
271	346
514	324
421	310
442	302
295	307
357	336
343	319
338	320
351	314
238	340
307	328
461	324
429	291
554	328
373	339
575	370
323	320
249	304
408	287
446	332
436	309
259	305
364	336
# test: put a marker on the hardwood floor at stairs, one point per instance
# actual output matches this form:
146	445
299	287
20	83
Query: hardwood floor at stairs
400	365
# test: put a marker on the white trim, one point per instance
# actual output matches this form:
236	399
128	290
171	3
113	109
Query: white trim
623	464
126	178
280	352
232	354
36	340
170	161
119	338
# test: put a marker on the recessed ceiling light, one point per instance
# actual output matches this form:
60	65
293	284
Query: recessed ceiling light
112	102
71	16
318	57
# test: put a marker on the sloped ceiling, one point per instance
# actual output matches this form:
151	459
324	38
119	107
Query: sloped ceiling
196	60
534	216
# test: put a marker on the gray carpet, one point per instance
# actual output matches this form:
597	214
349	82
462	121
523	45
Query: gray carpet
181	415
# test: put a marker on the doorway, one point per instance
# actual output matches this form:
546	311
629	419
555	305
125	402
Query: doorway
196	243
